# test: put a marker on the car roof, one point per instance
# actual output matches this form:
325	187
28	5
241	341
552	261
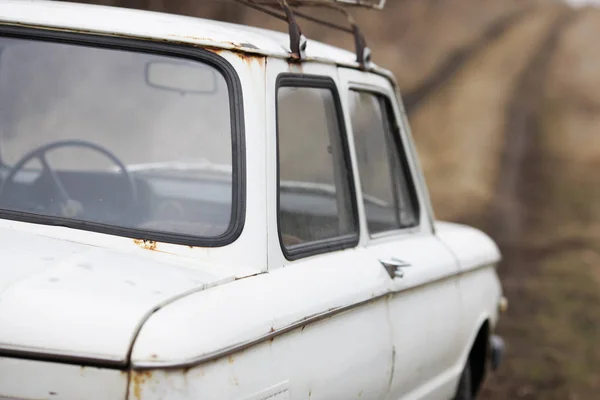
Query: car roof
124	22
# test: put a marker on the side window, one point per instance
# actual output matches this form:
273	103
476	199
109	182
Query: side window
316	206
388	192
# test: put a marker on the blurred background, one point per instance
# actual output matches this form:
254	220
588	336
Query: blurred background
504	101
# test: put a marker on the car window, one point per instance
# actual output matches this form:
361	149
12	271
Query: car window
116	137
314	179
388	192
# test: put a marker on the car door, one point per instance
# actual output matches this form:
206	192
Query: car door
326	291
424	308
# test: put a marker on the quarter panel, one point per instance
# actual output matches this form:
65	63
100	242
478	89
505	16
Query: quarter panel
223	317
300	364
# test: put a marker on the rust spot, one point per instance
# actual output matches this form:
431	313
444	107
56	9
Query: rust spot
303	326
271	330
295	67
250	59
154	356
145	244
230	359
139	378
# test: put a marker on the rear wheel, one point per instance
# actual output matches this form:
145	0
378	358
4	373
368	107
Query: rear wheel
465	387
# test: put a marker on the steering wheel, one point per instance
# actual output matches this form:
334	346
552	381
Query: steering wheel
69	207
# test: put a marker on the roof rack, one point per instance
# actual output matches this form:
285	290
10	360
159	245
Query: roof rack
298	41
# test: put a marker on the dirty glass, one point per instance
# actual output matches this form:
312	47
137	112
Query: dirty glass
314	195
384	179
114	137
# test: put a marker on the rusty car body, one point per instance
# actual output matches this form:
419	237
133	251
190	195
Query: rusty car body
187	211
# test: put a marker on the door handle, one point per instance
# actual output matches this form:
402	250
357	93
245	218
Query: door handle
394	267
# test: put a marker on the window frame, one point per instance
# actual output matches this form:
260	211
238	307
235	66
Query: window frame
393	124
339	242
237	124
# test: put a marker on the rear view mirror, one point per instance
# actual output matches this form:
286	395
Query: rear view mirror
183	77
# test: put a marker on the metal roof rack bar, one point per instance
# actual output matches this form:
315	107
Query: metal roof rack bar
374	4
298	41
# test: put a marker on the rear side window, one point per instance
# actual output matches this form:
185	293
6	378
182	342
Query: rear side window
316	208
120	136
388	192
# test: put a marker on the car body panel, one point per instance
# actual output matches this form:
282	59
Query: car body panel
128	318
88	297
274	328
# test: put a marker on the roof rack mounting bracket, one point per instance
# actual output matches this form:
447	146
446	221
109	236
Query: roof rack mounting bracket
298	41
363	52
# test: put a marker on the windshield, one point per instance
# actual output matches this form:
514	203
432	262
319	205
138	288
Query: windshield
114	137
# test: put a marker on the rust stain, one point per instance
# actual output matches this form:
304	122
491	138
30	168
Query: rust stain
138	379
245	56
146	244
251	59
295	67
230	359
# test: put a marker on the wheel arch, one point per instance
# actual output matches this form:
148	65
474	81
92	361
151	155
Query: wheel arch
478	355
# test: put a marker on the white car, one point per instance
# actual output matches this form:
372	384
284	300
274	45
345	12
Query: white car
191	209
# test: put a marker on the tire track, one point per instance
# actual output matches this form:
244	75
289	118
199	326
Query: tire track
520	164
454	62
